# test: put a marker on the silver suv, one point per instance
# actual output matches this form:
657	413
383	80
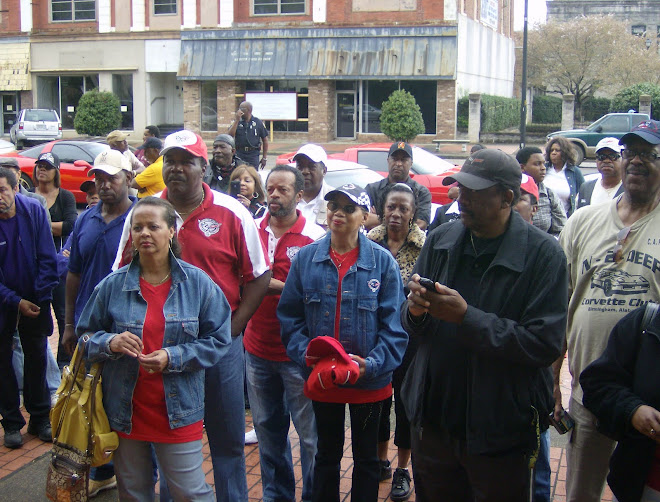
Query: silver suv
35	124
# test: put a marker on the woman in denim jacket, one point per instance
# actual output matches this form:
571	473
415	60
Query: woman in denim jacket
562	175
346	287
157	323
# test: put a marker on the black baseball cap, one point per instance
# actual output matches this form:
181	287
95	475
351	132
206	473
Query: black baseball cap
49	158
487	168
152	142
356	193
400	146
649	131
87	185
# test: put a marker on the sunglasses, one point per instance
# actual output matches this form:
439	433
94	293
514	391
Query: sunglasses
629	154
348	209
607	156
620	241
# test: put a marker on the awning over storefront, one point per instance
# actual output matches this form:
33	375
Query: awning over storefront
14	66
333	53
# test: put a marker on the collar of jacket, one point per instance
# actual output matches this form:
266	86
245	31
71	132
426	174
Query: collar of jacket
511	253
415	236
366	259
132	280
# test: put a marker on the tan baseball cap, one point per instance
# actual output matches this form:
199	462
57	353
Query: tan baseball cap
111	162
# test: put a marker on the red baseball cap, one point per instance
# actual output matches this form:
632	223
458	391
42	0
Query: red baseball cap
332	366
528	185
188	141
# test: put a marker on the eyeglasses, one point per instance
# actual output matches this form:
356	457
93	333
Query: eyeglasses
629	154
620	241
348	209
607	156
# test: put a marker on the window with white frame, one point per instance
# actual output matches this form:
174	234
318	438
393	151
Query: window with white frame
272	7
73	10
165	7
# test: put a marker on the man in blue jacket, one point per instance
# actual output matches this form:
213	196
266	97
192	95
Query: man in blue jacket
28	273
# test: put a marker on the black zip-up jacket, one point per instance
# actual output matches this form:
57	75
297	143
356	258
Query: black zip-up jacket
625	377
510	337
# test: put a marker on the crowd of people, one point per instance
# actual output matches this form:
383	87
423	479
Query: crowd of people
322	301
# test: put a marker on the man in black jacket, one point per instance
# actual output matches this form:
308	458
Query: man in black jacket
488	333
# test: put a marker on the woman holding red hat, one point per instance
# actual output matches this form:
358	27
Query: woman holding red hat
346	287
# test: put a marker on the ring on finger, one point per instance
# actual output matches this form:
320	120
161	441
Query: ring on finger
652	431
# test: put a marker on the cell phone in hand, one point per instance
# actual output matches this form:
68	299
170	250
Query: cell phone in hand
564	424
428	284
235	188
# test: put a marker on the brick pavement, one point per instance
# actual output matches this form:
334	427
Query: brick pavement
12	460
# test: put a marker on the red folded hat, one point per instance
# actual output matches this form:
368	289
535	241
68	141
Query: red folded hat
332	366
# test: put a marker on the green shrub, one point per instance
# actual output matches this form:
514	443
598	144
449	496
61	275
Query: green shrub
542	129
98	113
401	118
628	98
463	114
595	108
546	109
498	113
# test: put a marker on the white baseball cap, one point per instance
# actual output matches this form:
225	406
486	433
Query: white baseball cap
111	162
611	143
315	152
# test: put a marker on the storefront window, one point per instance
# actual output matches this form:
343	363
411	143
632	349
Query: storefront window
62	93
377	91
122	87
297	86
209	105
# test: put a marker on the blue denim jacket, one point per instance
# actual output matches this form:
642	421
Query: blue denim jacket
197	335
372	294
575	178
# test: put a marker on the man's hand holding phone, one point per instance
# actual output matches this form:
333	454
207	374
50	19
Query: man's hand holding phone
435	299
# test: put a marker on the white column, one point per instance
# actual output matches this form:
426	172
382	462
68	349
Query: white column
189	13
138	11
319	11
226	13
26	15
105	16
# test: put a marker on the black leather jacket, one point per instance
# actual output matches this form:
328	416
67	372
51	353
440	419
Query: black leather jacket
509	337
625	377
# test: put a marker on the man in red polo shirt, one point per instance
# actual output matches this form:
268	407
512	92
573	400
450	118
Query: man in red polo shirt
218	235
275	383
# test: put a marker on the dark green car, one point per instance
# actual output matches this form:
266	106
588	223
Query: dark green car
611	125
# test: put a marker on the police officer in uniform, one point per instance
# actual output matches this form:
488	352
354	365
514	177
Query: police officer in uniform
249	133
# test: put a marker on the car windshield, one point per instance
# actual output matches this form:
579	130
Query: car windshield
40	116
426	163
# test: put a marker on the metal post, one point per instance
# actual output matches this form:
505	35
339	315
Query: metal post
523	95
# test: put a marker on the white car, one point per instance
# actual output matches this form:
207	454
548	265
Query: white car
35	125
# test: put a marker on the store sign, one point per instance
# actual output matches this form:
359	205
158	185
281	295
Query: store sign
273	105
489	12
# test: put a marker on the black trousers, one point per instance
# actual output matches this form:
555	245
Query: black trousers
444	470
34	333
364	437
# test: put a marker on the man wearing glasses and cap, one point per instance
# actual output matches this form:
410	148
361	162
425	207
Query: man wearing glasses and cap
609	186
613	253
490	323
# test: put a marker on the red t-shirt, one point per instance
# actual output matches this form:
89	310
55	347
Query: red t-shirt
150	420
344	262
262	335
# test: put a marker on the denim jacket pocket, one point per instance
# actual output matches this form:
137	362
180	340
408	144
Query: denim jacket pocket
367	324
312	301
131	327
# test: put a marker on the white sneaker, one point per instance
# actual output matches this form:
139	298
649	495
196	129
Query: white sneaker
251	437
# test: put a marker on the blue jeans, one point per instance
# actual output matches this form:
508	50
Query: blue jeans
180	462
542	470
276	397
225	423
53	374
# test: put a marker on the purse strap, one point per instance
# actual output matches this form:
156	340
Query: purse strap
649	315
76	364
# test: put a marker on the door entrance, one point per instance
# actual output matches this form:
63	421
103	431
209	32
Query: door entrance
346	114
9	111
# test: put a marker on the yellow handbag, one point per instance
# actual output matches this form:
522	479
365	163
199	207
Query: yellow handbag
81	432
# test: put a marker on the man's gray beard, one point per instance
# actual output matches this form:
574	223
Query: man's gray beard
283	211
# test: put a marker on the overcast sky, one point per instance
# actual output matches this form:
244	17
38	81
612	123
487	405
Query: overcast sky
536	13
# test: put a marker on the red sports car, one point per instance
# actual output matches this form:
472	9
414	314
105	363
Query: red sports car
68	151
427	169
